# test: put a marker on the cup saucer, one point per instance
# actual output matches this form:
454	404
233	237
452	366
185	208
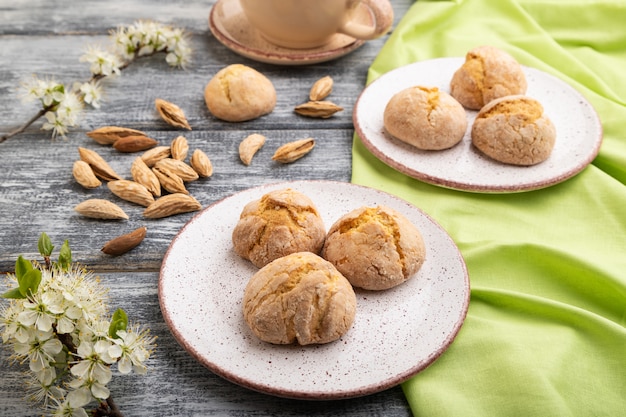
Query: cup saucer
229	25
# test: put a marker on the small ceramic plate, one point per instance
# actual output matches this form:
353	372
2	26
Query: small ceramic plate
229	25
463	167
396	333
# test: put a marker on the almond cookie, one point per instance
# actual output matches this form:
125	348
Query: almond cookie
514	130
487	73
281	222
425	117
299	298
375	248
238	93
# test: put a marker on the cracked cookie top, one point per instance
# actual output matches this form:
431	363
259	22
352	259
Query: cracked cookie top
281	222
299	298
425	117
375	248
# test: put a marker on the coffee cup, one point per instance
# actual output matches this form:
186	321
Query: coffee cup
302	24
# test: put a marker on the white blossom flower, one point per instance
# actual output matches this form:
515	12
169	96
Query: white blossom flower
42	389
72	405
101	62
33	88
55	123
131	349
13	329
92	93
70	109
52	93
40	349
39	310
95	362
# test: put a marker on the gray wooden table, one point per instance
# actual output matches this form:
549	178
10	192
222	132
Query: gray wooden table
38	193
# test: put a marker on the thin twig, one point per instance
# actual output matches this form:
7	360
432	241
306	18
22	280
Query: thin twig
25	125
44	110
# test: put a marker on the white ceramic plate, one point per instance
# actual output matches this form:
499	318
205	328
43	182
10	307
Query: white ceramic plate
463	167
396	333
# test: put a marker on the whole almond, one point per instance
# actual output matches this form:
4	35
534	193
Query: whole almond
142	174
318	109
122	244
97	208
179	148
180	168
321	88
130	144
201	163
295	150
250	146
169	180
99	166
107	135
131	191
154	155
170	205
171	114
83	174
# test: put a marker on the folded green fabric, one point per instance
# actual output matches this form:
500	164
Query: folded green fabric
545	333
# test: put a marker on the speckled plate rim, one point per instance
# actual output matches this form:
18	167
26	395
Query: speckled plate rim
277	55
463	167
414	322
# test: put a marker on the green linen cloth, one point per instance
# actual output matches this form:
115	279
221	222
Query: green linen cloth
545	333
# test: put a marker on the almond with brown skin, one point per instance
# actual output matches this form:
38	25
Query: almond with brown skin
107	135
99	166
122	244
130	144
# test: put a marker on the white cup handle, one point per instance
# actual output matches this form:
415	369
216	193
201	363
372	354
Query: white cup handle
382	13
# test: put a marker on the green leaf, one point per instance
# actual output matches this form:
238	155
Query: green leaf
45	245
65	256
13	293
29	282
22	266
119	321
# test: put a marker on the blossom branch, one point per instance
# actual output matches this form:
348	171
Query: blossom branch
57	322
62	107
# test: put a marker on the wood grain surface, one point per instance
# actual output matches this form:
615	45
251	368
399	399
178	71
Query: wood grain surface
38	192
